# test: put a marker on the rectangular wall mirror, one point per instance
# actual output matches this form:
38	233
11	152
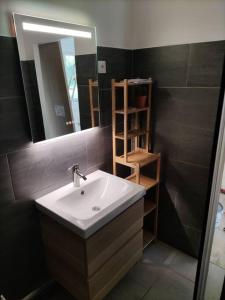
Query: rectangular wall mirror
59	68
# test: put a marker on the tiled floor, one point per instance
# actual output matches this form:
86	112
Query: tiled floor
163	273
218	254
217	261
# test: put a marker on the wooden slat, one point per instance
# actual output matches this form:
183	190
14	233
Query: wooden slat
125	117
122	83
131	110
131	134
140	157
143	180
113	125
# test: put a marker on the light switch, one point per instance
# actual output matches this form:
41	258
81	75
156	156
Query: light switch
101	66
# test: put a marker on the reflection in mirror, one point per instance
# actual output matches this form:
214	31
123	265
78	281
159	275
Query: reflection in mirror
58	62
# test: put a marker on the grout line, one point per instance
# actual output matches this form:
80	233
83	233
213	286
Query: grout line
188	163
181	275
11	97
217	265
188	87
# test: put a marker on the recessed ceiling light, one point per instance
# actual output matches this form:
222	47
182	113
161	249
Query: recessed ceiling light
56	30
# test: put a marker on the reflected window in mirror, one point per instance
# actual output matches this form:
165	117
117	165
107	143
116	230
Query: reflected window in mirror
59	68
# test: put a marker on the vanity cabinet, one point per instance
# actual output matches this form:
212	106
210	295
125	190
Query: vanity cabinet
90	268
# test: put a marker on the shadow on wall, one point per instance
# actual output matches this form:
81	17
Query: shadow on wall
177	234
21	250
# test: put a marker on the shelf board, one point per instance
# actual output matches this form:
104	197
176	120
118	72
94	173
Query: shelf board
94	83
140	156
149	206
145	181
131	110
132	83
131	134
95	108
148	237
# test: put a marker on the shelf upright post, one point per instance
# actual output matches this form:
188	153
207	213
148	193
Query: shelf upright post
114	125
125	103
92	83
148	118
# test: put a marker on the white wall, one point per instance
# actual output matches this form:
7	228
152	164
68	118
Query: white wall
130	23
111	17
27	39
169	22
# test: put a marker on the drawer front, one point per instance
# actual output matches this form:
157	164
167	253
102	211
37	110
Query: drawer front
116	267
109	239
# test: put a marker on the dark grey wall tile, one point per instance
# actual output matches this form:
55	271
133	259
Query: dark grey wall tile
195	145
175	233
118	65
35	113
206	64
6	189
195	107
86	68
105	104
166	136
33	100
10	72
182	177
43	167
166	65
194	236
183	143
183	207
84	106
28	73
190	209
21	253
14	125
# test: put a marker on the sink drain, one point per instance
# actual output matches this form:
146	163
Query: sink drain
96	208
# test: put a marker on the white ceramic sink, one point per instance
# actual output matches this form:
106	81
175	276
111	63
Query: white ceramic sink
98	200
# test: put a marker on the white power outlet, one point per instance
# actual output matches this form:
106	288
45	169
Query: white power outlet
101	66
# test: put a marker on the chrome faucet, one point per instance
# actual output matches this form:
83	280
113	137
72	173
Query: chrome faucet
76	175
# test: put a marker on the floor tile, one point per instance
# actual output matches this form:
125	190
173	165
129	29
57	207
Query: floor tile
157	253
214	282
55	292
217	253
182	264
171	287
146	274
127	289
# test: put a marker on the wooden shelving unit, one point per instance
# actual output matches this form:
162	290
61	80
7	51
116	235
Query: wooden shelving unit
93	84
136	144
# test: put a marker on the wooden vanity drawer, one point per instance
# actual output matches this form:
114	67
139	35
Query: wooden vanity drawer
89	268
104	243
116	267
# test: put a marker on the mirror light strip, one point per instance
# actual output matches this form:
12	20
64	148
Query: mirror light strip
56	30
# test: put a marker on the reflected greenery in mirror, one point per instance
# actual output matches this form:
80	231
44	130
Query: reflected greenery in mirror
58	62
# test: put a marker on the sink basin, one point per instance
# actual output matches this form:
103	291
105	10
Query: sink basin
97	201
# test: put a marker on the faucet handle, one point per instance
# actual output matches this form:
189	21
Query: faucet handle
73	168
